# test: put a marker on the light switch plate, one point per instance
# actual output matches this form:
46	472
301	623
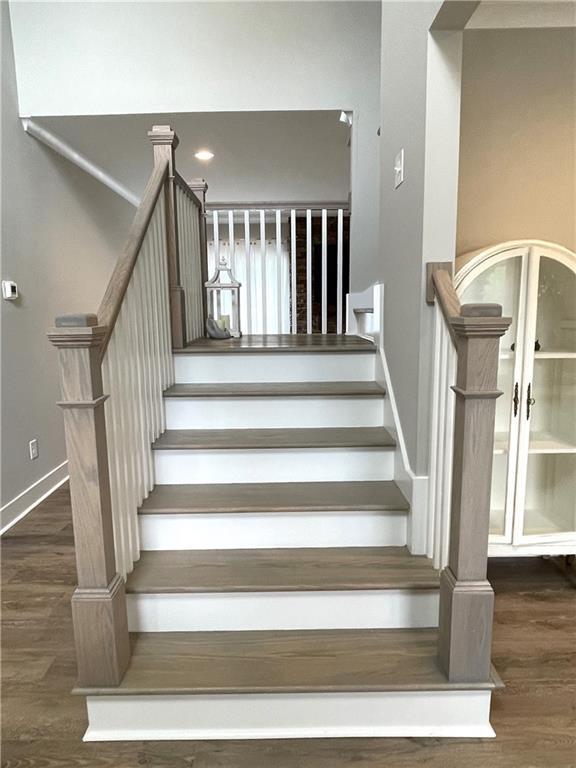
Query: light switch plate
399	169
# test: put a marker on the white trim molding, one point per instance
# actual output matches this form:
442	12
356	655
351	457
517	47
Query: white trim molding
413	486
77	158
21	505
399	714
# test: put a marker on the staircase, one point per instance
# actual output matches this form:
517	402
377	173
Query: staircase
241	545
274	596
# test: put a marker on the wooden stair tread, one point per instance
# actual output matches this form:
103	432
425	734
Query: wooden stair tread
314	343
284	662
279	389
278	570
310	437
383	495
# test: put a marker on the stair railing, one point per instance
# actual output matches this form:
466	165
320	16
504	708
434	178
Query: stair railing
114	367
272	250
466	596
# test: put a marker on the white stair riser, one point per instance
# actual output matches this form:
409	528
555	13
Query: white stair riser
270	412
272	530
218	368
296	465
425	714
244	611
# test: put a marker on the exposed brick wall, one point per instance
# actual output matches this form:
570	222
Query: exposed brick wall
332	231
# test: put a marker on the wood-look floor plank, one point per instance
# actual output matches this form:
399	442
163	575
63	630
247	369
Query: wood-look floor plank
283	662
279	389
311	437
369	496
534	648
314	343
270	570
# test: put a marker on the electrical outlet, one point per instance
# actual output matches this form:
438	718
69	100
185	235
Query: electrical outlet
33	448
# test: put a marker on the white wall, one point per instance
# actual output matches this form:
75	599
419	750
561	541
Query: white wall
405	28
518	139
61	233
118	58
259	156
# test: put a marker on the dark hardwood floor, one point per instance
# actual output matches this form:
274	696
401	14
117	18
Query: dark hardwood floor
42	724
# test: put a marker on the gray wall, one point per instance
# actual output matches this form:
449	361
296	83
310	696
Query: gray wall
518	137
173	57
403	89
61	233
259	156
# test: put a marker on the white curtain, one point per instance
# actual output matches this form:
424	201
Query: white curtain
246	260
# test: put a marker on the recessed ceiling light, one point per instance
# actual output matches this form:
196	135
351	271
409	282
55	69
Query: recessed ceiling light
204	154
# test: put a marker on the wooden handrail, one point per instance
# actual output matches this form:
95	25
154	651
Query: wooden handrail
183	184
441	287
447	296
118	283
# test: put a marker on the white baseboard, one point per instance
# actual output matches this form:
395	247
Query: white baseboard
260	611
392	714
25	502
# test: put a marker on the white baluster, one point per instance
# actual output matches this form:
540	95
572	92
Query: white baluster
232	246
264	277
137	367
279	269
340	269
247	256
216	236
434	439
441	461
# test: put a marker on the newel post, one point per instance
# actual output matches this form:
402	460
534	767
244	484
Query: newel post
466	597
165	141
200	187
99	602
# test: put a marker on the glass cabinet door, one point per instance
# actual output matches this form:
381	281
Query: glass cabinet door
503	281
546	478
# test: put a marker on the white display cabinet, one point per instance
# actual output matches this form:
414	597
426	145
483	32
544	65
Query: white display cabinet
533	505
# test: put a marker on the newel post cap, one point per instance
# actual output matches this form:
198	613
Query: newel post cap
80	330
76	321
163	135
200	185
